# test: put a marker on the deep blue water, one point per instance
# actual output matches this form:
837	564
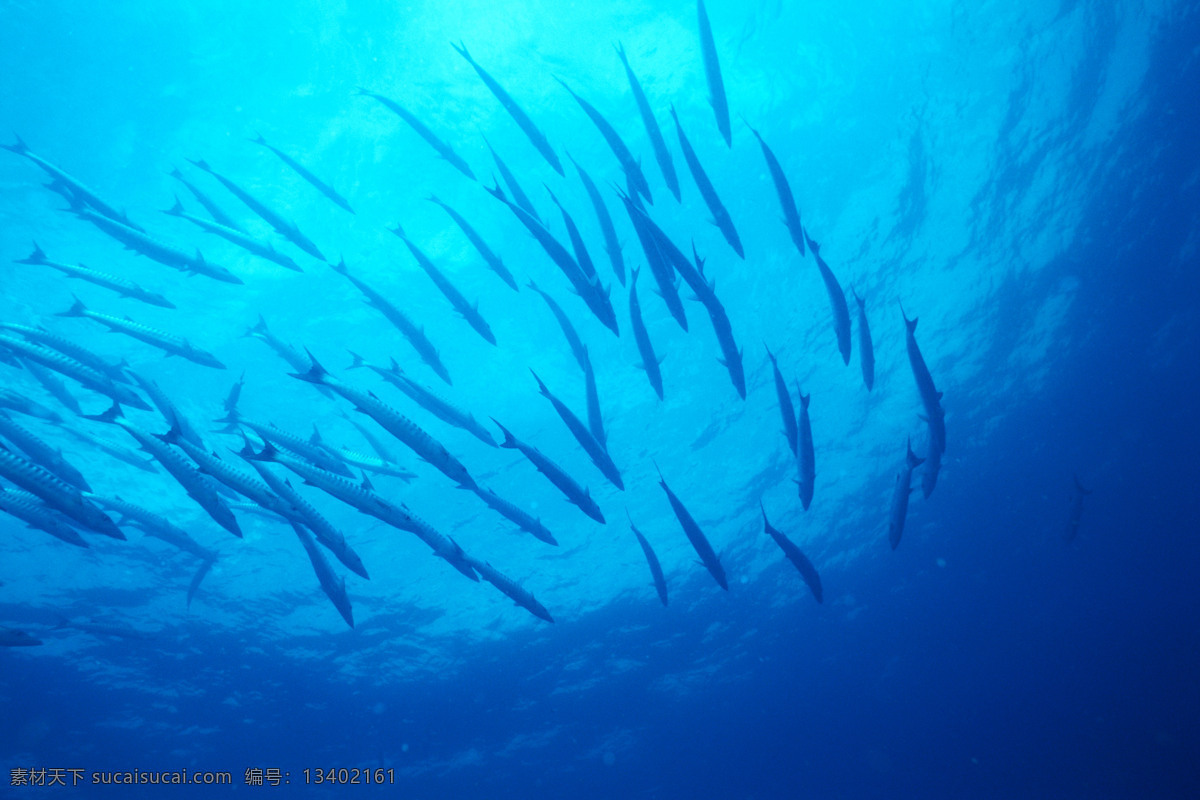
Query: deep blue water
1025	179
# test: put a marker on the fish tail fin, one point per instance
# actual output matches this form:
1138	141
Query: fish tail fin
316	373
461	49
77	309
36	257
172	435
201	163
18	146
175	210
258	139
510	441
257	328
268	452
111	415
315	438
541	386
762	508
1079	486
911	324
356	361
911	458
804	398
205	566
399	231
340	268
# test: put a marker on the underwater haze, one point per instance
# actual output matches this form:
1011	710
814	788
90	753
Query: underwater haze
1022	178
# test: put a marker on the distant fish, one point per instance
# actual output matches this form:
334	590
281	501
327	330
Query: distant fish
784	396
55	493
11	637
52	385
155	525
931	399
595	450
443	150
612	245
30	408
29	509
837	301
122	286
791	214
169	343
374	464
804	455
524	520
536	137
119	452
594	415
211	207
793	553
866	350
333	585
285	228
77	188
630	165
305	173
568	329
731	354
495	264
414	333
511	588
467	310
41	453
247	243
900	497
574	492
660	582
69	367
428	400
712	71
108	629
650	361
1077	496
510	180
661	153
720	216
39	335
582	257
166	406
660	267
696	536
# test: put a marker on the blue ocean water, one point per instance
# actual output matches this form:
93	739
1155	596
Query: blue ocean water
1022	177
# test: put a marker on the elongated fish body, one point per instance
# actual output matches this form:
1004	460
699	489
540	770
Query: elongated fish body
169	343
319	456
511	588
235	392
660	581
214	210
303	171
523	520
30	408
466	309
115	372
805	457
900	497
629	164
443	547
240	482
582	257
712	72
696	536
930	396
536	137
77	188
171	415
375	465
650	361
155	525
81	373
196	485
660	268
52	384
409	329
122	286
303	512
564	322
837	301
41	453
866	350
929	475
283	227
791	214
29	509
731	355
394	423
493	261
444	150
106	629
295	359
519	197
333	585
595	418
612	245
431	402
247	243
583	435
574	492
155	250
380	449
661	153
11	637
807	571
1077	496
784	396
719	213
55	493
119	452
